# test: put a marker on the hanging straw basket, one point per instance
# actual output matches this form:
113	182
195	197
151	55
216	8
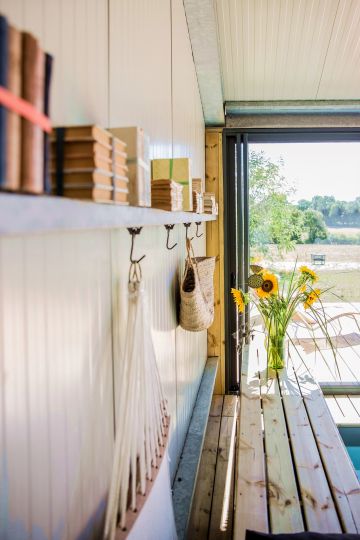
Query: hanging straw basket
197	292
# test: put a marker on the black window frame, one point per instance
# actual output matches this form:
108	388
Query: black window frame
236	221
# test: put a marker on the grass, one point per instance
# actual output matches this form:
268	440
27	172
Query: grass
341	271
348	231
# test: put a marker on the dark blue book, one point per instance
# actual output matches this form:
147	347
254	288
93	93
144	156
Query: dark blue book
47	84
3	82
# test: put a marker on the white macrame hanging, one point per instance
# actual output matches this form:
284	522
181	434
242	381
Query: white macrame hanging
141	418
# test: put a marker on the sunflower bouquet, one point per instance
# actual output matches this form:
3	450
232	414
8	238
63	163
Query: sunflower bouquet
277	306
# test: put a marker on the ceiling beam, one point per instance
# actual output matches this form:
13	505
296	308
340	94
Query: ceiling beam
201	21
303	107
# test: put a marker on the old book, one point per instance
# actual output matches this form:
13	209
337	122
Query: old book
32	140
47	83
138	147
13	148
97	193
3	111
79	178
198	185
80	149
178	169
81	163
94	133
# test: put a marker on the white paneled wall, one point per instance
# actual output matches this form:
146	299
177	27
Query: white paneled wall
63	296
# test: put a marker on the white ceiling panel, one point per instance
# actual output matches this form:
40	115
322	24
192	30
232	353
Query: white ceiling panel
275	50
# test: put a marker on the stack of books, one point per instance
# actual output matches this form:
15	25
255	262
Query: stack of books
138	162
88	162
210	204
167	195
198	185
25	71
198	202
198	195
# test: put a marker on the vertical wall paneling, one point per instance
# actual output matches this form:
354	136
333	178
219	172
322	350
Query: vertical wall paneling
140	47
15	480
63	297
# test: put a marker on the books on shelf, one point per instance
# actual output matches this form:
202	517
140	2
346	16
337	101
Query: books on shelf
138	162
198	202
3	111
25	71
32	147
167	195
198	185
88	162
13	143
210	204
178	170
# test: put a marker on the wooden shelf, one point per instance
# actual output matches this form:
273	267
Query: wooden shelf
26	214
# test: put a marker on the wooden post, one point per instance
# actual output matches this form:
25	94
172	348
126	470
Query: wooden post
215	247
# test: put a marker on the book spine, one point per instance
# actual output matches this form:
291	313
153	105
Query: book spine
32	144
13	150
60	135
3	111
47	83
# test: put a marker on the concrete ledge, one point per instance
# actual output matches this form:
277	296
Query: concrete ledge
185	479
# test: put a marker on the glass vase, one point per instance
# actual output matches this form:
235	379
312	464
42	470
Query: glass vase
276	350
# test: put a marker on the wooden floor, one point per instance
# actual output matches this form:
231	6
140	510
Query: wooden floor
344	328
213	503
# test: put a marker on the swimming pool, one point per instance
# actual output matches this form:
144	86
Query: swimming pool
351	438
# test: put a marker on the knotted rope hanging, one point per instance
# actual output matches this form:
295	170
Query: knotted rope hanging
141	416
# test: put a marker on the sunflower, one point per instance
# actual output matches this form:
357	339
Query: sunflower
312	297
308	273
269	286
239	299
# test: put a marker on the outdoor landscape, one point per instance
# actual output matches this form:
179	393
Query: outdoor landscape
321	231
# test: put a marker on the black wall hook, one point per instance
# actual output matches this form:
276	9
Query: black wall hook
187	225
133	231
169	228
198	223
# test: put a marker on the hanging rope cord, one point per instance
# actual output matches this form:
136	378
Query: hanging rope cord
141	412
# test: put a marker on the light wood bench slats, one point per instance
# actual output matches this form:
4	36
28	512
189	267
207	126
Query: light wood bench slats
343	481
284	504
202	500
250	490
319	509
221	522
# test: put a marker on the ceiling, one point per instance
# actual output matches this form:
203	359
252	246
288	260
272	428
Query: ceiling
274	50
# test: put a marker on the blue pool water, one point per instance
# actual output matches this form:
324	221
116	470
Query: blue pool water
351	438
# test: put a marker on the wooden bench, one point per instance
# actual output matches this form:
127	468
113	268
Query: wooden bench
293	472
318	258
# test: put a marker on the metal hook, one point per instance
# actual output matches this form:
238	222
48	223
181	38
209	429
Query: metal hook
197	223
169	228
187	225
133	231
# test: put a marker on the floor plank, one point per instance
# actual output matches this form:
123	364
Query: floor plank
342	477
319	509
250	489
284	505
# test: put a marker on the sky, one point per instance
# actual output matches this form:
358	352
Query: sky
318	168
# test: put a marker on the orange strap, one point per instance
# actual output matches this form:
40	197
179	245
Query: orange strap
25	109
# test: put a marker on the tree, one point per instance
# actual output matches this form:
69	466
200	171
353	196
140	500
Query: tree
315	226
272	216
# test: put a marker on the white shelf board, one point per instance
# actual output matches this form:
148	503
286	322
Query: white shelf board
27	214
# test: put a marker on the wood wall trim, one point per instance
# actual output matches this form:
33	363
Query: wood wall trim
215	247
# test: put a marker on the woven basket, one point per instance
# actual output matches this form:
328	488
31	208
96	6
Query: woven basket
197	293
